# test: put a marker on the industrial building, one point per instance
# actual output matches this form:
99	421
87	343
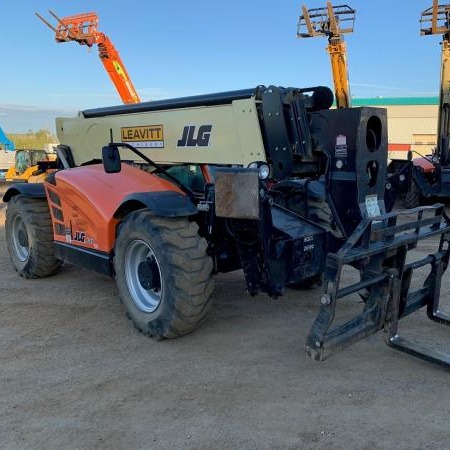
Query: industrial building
412	123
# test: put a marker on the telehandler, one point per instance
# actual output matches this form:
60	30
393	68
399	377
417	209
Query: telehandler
83	29
332	22
163	195
429	176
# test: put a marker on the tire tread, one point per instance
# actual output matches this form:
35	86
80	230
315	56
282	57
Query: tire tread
189	271
35	213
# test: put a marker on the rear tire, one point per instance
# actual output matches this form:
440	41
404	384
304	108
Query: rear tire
29	237
163	274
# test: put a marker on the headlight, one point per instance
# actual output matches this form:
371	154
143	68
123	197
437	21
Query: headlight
264	172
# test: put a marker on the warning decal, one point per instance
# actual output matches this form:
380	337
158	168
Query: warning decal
341	146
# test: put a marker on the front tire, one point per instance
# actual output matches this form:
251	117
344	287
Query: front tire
163	274
29	237
412	198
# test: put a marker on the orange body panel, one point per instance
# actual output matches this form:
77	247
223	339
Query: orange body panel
88	197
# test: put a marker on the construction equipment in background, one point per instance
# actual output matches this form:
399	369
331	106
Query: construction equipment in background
20	166
7	160
6	143
6	154
430	175
30	164
83	28
162	195
27	162
328	22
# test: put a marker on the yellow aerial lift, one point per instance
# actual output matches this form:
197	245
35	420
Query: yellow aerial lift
431	174
327	22
435	20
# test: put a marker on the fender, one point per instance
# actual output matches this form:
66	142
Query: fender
31	190
425	164
427	187
162	203
87	204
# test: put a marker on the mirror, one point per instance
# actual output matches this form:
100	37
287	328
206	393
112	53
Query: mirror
111	159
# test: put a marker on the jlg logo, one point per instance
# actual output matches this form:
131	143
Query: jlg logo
201	140
79	236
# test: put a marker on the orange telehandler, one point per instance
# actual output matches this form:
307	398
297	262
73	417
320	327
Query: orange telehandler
294	194
83	28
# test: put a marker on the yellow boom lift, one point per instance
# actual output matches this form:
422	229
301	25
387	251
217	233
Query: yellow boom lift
431	174
435	20
328	22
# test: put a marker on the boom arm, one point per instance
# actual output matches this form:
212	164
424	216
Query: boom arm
116	70
325	22
82	28
435	20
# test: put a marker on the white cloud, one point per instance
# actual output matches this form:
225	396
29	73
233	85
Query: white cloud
22	118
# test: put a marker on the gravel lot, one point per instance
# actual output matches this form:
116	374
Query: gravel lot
75	374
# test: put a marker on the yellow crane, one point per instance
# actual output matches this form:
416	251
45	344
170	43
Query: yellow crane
328	22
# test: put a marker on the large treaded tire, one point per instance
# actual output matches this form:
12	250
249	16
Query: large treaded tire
412	198
29	237
179	262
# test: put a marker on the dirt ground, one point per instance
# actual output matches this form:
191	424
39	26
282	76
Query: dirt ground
75	374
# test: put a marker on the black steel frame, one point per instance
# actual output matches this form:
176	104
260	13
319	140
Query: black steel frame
378	248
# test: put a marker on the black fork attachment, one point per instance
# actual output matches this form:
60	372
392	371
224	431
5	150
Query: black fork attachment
378	249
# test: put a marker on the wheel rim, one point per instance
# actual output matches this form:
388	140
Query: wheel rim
143	276
19	236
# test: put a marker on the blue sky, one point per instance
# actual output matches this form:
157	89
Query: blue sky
175	48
